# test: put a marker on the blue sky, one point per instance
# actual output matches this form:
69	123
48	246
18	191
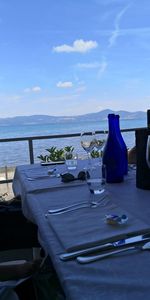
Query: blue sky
71	57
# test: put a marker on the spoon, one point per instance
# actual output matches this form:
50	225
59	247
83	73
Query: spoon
88	259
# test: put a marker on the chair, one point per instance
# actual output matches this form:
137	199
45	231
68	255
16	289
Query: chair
16	231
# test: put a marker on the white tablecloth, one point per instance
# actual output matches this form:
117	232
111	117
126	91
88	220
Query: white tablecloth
122	277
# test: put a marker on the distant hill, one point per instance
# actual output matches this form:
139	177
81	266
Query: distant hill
45	119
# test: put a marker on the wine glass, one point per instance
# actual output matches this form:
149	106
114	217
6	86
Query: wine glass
88	144
100	142
148	151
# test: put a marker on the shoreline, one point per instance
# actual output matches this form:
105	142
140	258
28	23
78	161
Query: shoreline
18	153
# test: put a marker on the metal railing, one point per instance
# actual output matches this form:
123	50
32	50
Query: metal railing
56	136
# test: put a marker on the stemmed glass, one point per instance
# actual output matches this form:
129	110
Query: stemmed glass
88	144
100	142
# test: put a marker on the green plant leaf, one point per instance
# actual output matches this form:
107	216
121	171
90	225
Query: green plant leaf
69	148
95	154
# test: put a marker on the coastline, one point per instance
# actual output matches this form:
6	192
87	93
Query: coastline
17	153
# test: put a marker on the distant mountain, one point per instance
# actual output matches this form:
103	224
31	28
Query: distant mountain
124	115
45	119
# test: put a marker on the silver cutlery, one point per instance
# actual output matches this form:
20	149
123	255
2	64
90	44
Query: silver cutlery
75	206
43	177
88	259
107	246
50	173
64	209
51	163
72	209
67	209
37	177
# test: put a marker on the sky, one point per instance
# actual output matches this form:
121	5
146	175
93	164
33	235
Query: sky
72	57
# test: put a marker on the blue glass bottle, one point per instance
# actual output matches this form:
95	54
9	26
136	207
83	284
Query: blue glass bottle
122	143
113	158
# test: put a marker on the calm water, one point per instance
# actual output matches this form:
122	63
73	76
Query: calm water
16	153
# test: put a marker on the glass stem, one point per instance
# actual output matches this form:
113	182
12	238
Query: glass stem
89	160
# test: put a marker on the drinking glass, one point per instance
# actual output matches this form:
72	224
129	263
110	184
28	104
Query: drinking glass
71	160
88	144
96	180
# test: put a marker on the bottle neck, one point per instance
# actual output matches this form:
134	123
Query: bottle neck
111	124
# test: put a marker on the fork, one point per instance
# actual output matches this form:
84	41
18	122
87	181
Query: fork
76	206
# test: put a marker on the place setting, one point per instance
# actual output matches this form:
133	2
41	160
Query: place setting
74	171
93	180
50	173
94	222
65	176
86	226
96	225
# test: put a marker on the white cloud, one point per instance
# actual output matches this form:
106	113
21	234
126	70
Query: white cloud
116	31
101	66
35	89
92	65
65	84
78	46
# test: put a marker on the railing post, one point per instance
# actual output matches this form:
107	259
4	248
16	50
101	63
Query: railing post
31	151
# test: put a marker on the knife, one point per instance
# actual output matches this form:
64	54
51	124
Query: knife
107	246
92	258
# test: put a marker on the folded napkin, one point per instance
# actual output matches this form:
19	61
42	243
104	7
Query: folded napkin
87	227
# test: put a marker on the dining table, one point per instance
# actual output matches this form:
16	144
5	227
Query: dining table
123	276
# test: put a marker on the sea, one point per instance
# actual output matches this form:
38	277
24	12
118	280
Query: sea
16	153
